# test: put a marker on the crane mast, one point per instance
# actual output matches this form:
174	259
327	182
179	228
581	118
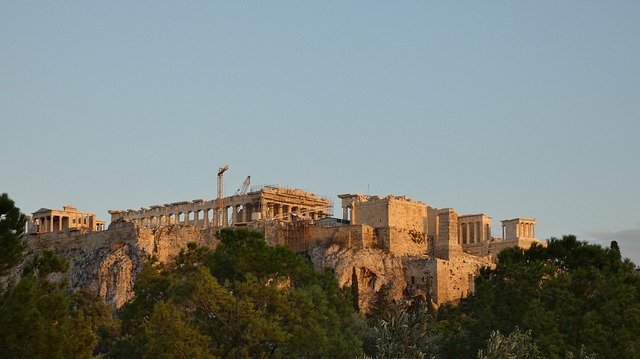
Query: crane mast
245	187
220	210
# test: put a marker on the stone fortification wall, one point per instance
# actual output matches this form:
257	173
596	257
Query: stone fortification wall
446	244
107	262
443	280
454	278
497	245
302	235
400	223
420	276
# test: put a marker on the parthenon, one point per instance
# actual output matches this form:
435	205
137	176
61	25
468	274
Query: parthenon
267	203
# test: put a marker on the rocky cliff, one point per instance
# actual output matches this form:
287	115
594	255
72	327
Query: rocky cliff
373	270
107	262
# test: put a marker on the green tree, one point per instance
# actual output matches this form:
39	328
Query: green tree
12	226
572	296
245	299
517	345
404	332
39	319
615	246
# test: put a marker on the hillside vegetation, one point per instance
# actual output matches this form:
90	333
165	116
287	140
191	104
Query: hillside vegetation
247	299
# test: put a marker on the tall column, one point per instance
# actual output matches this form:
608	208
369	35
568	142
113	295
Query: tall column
263	209
468	232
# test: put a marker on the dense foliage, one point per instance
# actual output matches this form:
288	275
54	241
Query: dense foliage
12	226
245	299
40	318
570	295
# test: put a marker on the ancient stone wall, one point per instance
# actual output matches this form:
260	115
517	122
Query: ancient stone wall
400	223
107	262
447	246
454	278
302	235
497	245
420	276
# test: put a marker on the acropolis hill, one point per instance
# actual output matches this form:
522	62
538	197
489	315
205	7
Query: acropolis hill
393	242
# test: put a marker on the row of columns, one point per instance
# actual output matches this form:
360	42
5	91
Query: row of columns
349	213
196	218
519	229
58	223
526	230
283	211
231	215
473	232
206	218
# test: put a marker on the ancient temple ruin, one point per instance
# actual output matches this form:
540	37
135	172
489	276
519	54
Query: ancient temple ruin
267	203
47	220
437	250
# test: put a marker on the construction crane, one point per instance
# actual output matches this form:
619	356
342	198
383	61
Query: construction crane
245	187
220	199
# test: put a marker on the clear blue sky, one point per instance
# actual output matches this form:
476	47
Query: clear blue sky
507	108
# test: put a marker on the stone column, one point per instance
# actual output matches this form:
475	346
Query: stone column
468	233
263	209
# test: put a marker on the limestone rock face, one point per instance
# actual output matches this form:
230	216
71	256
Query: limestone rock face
107	262
373	269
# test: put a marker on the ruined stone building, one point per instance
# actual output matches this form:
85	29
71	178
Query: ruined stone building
267	203
393	243
442	251
47	220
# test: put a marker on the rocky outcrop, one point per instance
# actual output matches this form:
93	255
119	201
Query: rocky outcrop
107	262
374	270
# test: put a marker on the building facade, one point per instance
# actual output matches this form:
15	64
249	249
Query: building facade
47	220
